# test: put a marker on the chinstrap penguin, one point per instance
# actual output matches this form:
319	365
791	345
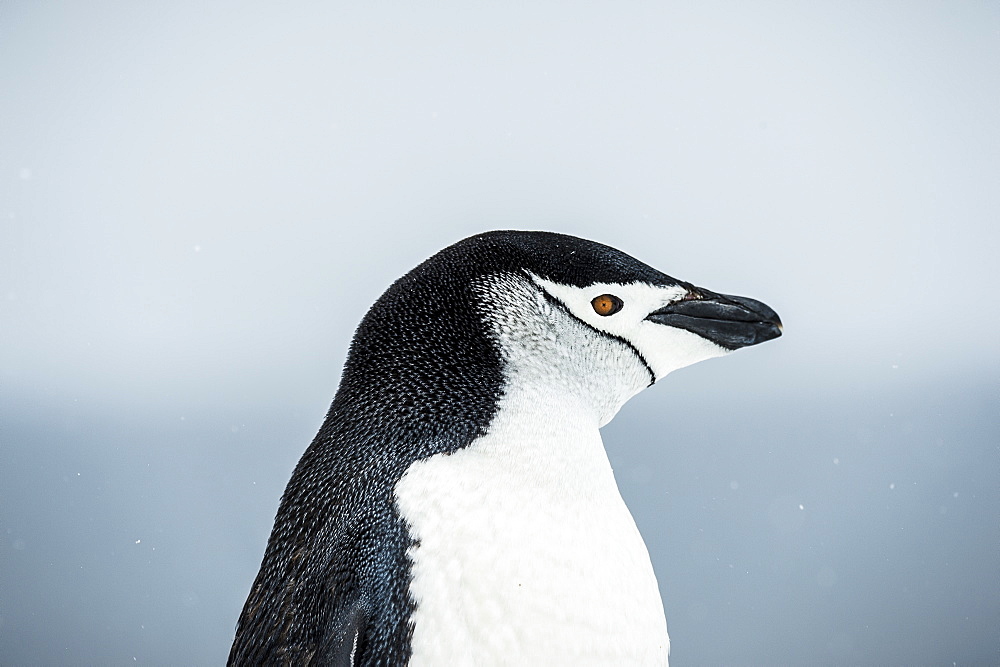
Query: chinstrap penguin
457	506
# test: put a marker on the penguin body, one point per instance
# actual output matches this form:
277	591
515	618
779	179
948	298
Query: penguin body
457	506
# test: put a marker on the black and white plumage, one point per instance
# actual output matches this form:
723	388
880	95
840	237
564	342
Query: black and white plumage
457	505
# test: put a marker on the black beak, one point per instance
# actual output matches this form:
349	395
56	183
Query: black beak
731	322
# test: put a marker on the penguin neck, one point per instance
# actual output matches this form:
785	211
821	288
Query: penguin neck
549	436
572	397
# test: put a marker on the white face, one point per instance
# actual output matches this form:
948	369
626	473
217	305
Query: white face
664	348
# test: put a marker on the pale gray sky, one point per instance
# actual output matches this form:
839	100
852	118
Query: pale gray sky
199	203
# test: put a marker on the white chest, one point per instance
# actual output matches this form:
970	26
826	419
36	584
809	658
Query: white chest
526	553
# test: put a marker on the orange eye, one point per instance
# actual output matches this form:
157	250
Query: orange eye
607	304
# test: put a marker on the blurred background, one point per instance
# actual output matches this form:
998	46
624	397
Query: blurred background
199	202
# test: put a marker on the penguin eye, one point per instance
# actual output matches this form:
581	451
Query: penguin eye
607	304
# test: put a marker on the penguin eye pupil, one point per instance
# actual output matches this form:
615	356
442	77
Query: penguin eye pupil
607	304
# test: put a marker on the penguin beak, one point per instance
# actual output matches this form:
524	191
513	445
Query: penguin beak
731	322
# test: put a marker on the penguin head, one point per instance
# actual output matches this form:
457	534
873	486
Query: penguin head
567	316
582	319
